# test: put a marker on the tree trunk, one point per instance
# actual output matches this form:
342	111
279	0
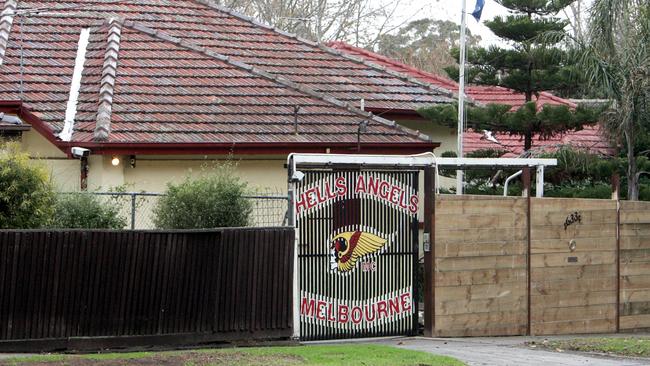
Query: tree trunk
528	141
632	179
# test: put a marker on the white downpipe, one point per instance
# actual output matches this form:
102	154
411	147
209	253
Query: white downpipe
461	96
505	185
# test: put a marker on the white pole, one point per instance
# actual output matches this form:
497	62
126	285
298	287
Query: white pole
292	222
461	96
539	191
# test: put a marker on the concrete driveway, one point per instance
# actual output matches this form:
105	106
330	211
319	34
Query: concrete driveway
506	351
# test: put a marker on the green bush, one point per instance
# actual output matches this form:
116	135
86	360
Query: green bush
26	193
213	200
86	211
580	190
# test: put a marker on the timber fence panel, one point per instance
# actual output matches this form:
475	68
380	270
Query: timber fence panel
480	266
635	266
213	285
573	266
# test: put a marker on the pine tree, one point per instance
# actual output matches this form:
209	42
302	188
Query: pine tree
530	65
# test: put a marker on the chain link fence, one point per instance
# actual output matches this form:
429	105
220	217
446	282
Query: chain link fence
269	209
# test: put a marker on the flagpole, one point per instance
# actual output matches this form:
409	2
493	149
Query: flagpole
461	96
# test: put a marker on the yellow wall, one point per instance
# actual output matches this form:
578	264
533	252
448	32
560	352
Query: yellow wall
266	174
64	172
444	135
152	173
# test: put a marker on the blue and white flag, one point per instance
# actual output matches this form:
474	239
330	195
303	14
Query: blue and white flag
478	10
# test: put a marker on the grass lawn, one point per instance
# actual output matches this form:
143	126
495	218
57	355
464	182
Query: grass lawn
628	346
348	354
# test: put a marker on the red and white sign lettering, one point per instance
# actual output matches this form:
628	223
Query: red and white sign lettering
368	185
341	312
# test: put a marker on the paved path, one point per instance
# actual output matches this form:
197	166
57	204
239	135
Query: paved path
4	356
506	351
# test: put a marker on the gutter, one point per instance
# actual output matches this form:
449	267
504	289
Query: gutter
257	148
248	148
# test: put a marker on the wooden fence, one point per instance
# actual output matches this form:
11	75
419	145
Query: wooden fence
480	250
635	266
57	288
515	266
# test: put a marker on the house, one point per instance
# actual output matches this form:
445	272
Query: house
154	89
589	138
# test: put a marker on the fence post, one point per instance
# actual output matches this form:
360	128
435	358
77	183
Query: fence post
616	187
429	251
526	192
296	285
133	211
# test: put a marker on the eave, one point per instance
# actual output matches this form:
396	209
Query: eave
108	148
252	148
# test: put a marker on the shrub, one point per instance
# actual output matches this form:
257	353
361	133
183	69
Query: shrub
86	211
26	193
213	200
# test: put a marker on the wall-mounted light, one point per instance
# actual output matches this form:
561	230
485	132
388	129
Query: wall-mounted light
115	161
132	161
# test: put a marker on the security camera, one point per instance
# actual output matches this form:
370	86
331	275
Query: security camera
80	152
297	176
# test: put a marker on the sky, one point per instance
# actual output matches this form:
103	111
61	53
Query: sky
451	10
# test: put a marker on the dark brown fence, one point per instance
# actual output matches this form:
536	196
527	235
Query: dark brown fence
144	287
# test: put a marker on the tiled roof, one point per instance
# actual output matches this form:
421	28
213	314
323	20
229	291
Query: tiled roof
202	74
392	64
590	138
500	95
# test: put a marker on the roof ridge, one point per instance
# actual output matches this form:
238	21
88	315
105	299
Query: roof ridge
278	79
6	21
321	46
393	62
107	84
558	99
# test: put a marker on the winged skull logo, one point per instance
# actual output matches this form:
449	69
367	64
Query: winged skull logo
347	248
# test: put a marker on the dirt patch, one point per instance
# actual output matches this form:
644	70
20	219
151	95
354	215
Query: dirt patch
175	359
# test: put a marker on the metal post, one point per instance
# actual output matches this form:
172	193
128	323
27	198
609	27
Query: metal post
525	178
429	251
461	96
132	211
539	188
292	220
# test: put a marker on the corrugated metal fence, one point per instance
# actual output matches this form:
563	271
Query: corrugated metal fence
151	287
